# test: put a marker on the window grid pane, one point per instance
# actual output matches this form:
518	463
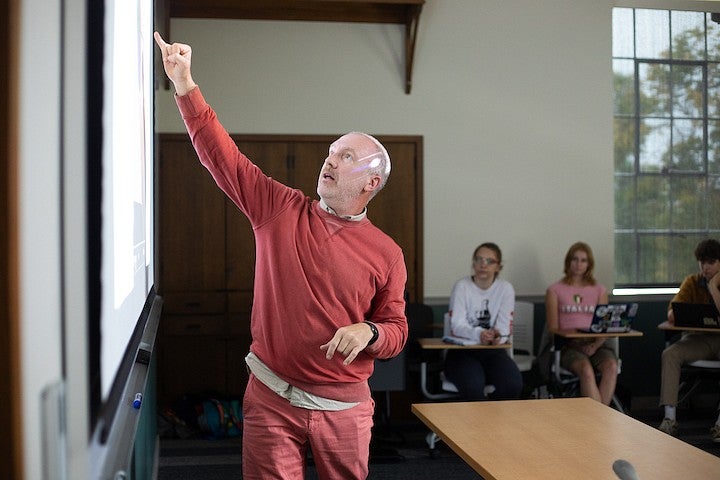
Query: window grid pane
625	200
652	200
713	39
688	148
623	33
624	150
688	88
713	149
655	144
652	33
688	35
713	94
654	79
654	259
687	197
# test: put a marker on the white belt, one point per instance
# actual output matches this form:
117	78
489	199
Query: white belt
296	396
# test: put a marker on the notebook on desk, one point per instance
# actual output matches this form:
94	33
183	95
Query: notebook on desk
703	315
458	341
612	318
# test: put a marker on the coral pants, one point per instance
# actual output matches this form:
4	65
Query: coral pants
276	436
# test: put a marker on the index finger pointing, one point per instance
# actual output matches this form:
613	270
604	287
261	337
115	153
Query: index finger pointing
159	40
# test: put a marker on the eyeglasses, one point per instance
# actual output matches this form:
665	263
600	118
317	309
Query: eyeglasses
488	262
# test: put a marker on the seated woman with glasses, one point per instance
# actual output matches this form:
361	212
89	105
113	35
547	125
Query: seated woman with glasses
481	309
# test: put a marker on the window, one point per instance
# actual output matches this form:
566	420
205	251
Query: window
666	67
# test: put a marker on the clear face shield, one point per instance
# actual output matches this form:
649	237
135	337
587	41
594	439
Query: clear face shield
368	164
344	176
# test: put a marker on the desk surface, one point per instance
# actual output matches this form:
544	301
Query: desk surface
666	326
564	438
575	334
438	344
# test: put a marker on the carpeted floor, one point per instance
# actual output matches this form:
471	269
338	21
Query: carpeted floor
398	454
402	453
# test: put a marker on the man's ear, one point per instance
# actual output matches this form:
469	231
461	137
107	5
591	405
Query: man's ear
372	184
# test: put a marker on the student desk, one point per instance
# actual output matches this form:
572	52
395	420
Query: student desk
667	326
438	344
563	438
575	334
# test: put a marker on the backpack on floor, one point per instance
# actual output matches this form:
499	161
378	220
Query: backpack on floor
220	418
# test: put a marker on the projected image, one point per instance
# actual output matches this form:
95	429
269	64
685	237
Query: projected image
126	272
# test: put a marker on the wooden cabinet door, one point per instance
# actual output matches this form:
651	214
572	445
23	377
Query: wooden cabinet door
192	356
191	236
306	161
271	157
397	208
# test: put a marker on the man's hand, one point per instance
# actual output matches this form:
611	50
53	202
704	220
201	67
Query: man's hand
714	281
348	341
176	60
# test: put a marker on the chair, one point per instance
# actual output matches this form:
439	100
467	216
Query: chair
693	374
523	335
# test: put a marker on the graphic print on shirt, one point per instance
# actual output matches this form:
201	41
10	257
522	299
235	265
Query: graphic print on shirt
482	316
577	306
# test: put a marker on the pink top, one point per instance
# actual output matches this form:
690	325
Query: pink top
576	305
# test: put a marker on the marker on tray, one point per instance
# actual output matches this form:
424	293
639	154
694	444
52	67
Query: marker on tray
138	401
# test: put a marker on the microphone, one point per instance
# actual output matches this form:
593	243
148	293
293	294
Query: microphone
624	470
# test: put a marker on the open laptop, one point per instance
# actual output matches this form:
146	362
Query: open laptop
612	318
703	315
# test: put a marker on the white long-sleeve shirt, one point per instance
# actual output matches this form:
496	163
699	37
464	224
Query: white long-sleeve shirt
467	300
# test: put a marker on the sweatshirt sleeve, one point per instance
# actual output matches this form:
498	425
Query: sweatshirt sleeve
389	313
460	312
506	311
258	196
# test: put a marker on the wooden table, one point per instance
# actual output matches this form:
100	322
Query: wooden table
564	438
438	344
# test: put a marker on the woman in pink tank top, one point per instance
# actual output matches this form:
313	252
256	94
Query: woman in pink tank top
569	304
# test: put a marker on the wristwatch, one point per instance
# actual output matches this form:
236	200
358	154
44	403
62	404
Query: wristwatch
374	332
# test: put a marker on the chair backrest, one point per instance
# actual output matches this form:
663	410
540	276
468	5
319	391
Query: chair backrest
523	332
420	319
614	342
446	324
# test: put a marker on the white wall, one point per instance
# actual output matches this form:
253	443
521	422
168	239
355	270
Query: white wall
514	100
53	297
39	217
